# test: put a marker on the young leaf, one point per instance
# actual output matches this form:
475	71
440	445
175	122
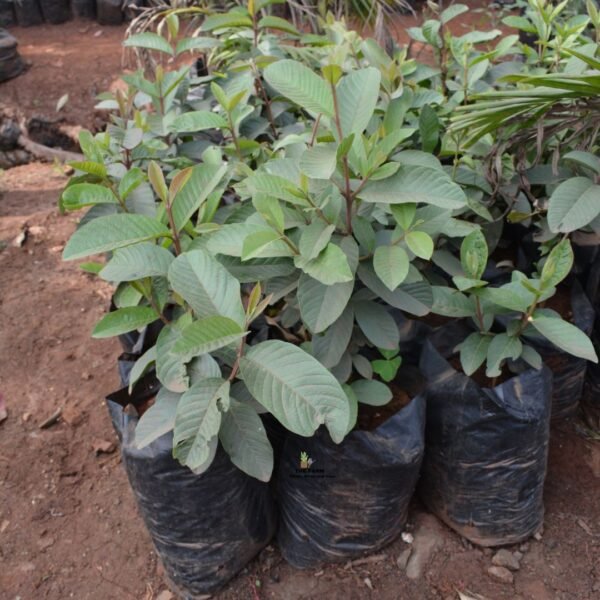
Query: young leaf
319	161
330	266
206	335
377	324
244	438
473	352
371	392
198	120
141	365
404	214
391	264
357	95
565	336
301	85
420	243
150	41
124	320
315	238
474	254
387	369
86	194
259	243
558	264
157	179
136	262
500	348
111	232
300	392
158	419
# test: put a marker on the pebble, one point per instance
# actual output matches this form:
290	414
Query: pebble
504	558
501	574
402	559
407	537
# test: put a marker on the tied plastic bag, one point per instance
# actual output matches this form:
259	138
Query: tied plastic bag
55	11
28	13
109	12
206	527
486	448
340	501
84	8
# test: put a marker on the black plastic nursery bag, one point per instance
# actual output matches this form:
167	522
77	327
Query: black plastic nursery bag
591	389
7	13
84	8
486	448
28	13
206	527
340	501
55	11
109	12
11	63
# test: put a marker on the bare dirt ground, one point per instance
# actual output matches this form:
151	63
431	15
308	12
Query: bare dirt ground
69	527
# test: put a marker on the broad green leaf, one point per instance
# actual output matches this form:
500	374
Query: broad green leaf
429	128
203	366
321	305
377	324
319	162
531	357
226	21
300	392
357	94
206	286
391	264
586	159
452	12
123	320
111	232
158	419
404	214
501	347
198	120
273	185
474	255
170	367
138	261
565	336
130	182
415	184
451	303
203	180
89	166
195	43
574	204
330	267
371	392
244	438
197	421
420	243
141	366
150	41
315	238
387	369
473	352
87	194
301	85
265	243
208	334
511	296
329	347
558	264
272	22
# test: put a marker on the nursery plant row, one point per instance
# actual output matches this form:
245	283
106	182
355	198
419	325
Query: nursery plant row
342	276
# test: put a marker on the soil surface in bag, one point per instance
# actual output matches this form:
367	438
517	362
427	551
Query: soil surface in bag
55	11
109	12
486	448
340	501
205	528
568	371
28	13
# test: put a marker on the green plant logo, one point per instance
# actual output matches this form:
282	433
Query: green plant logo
305	461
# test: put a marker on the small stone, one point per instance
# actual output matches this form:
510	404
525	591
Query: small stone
103	447
407	537
4	525
518	555
165	595
487	551
368	583
538	536
501	574
402	559
524	547
45	542
504	558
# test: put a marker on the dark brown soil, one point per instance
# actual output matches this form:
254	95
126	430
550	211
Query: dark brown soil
371	417
479	377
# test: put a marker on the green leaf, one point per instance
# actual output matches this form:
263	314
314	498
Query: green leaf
558	264
429	128
565	336
574	204
474	255
452	12
272	22
300	392
473	352
170	367
451	303
329	347
330	267
511	296
158	419
301	85
198	120
203	180
111	232
387	369
226	21
136	262
357	95
195	43
208	334
415	184
315	238
89	166
264	243
244	438
130	182
150	41
319	161
321	305
377	324
404	214
391	264
206	286
371	392
141	365
500	348
198	421
420	243
87	194
123	320
531	357
273	185
585	159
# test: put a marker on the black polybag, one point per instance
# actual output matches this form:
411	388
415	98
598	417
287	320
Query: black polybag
28	13
11	63
7	13
84	8
55	11
568	371
486	448
354	498
206	527
591	390
109	12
